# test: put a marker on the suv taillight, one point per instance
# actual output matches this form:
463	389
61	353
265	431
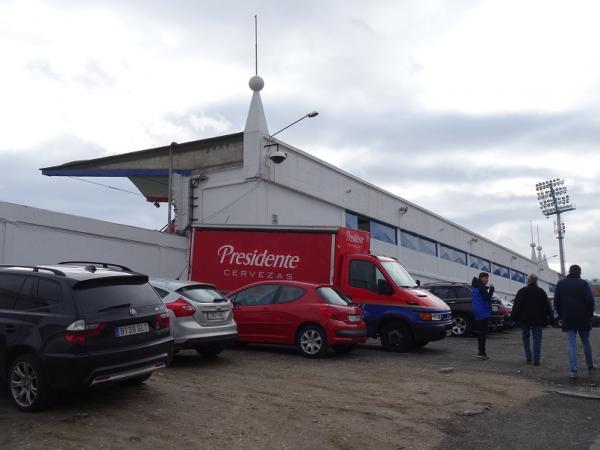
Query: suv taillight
181	308
162	320
78	331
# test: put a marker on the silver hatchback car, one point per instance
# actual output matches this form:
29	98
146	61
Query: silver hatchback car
201	317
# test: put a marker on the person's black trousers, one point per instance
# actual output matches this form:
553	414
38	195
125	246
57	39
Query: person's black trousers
482	329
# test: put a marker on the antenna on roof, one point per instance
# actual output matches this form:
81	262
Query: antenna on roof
255	44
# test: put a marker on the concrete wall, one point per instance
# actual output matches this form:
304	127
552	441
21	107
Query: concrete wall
32	236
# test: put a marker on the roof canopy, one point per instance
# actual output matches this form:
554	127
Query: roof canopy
149	169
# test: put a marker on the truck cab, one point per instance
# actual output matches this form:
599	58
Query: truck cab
395	309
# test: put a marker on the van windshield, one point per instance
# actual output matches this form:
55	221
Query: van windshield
398	274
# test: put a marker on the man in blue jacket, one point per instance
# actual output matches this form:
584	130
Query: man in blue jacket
574	303
481	294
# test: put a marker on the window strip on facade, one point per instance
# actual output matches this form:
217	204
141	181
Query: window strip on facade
418	243
479	263
383	232
351	220
501	271
517	276
452	254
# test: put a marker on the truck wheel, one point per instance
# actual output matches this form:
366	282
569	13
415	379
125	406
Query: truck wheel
27	385
396	337
312	341
461	325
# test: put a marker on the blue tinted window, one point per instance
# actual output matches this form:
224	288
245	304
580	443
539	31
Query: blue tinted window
499	270
351	220
479	263
451	254
515	275
418	243
383	232
409	240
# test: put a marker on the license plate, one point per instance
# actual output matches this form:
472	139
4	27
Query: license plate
215	315
136	328
353	317
495	308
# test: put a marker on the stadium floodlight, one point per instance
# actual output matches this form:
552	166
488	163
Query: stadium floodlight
553	200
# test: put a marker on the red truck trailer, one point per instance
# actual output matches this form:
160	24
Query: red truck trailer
395	309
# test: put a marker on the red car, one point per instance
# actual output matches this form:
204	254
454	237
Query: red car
313	317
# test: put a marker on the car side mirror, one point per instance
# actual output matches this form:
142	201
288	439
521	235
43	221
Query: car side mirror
418	282
383	287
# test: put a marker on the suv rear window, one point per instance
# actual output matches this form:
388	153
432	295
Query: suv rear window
201	294
332	296
103	293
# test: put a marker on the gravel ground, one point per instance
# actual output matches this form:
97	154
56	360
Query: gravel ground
264	397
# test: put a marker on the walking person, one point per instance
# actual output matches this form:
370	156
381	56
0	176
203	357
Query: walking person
481	295
574	303
533	312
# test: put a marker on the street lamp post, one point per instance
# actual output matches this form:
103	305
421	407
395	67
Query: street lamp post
274	154
309	115
554	200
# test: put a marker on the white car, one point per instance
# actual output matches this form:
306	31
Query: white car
201	317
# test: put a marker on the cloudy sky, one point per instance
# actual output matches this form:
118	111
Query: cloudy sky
459	106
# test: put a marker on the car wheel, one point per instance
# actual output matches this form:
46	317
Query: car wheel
420	344
343	348
138	380
396	337
209	352
461	326
27	384
312	341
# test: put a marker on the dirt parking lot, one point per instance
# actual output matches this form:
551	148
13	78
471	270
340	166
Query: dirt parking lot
265	397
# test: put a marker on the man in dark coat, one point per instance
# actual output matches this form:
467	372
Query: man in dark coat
574	303
533	311
481	295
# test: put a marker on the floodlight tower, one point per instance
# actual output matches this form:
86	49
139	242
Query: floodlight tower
555	201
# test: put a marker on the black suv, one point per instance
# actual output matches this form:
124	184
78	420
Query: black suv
77	325
458	297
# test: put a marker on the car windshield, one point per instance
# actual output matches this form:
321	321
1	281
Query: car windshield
398	274
201	294
333	296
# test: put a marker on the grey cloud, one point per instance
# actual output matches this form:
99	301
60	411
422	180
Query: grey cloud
95	76
42	68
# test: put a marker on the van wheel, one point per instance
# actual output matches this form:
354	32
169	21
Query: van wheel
27	385
396	337
312	341
461	325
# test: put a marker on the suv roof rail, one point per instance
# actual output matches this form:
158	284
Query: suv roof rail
33	268
91	266
443	282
